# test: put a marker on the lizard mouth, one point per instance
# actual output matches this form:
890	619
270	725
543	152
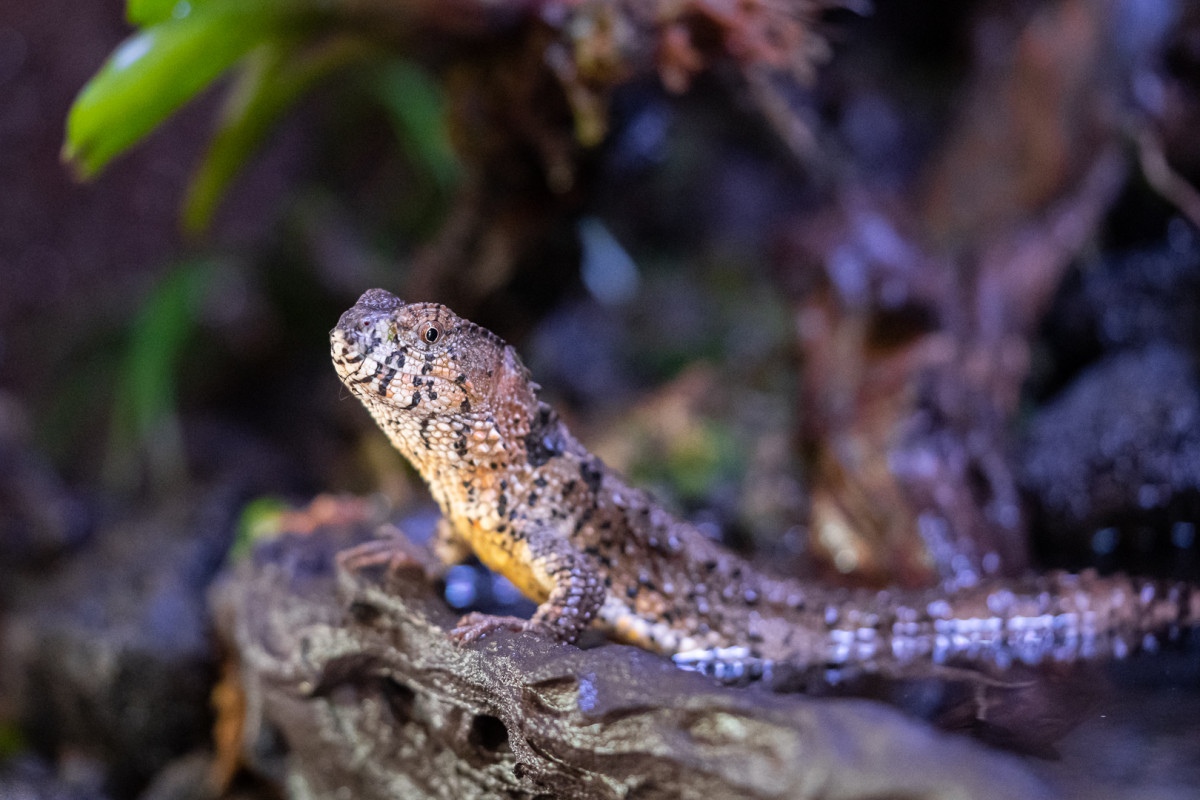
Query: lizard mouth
352	339
361	357
346	347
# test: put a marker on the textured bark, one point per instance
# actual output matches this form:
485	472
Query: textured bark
355	674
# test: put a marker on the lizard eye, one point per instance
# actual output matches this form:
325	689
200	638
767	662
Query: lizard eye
431	332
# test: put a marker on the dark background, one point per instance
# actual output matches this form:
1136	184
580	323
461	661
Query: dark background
160	391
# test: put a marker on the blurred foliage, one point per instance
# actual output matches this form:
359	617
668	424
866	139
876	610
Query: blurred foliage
416	109
12	741
273	77
280	49
276	52
696	458
259	520
180	50
144	407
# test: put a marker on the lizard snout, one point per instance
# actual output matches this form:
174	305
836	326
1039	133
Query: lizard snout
371	306
378	300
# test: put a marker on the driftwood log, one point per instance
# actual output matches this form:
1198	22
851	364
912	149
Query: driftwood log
354	675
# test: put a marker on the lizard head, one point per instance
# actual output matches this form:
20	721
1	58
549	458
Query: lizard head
415	365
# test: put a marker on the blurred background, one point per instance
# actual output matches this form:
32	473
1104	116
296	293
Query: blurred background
898	293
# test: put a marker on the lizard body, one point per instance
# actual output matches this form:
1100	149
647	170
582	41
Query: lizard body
517	489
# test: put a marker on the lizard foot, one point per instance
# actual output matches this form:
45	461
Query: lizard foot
475	626
390	552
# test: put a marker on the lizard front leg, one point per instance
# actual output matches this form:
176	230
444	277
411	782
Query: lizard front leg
576	594
394	551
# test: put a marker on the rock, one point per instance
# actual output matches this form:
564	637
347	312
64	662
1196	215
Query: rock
29	778
110	655
40	518
1119	449
186	778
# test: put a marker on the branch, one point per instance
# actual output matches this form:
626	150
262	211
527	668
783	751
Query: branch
356	674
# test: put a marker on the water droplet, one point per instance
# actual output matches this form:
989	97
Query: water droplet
460	586
132	50
1183	535
1104	541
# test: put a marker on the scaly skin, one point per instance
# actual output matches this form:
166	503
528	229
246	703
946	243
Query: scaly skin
533	504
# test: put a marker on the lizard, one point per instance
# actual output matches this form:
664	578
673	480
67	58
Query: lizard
517	489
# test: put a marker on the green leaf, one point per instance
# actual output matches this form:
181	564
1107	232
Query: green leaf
259	520
148	12
154	72
163	326
12	740
145	400
414	103
275	76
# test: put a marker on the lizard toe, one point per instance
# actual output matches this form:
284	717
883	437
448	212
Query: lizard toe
475	626
389	553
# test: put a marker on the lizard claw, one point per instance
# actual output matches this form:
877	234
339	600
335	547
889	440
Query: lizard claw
389	552
475	626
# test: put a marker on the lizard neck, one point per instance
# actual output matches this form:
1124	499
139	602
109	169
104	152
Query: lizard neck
476	494
499	470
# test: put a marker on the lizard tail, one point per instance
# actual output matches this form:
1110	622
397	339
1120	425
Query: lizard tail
1061	617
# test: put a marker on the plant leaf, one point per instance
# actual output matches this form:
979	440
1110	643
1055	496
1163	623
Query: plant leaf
164	324
148	12
153	73
259	520
275	76
414	103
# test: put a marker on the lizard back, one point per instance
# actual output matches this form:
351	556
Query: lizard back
527	497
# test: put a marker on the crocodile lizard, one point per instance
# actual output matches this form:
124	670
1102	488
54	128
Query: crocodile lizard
517	489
